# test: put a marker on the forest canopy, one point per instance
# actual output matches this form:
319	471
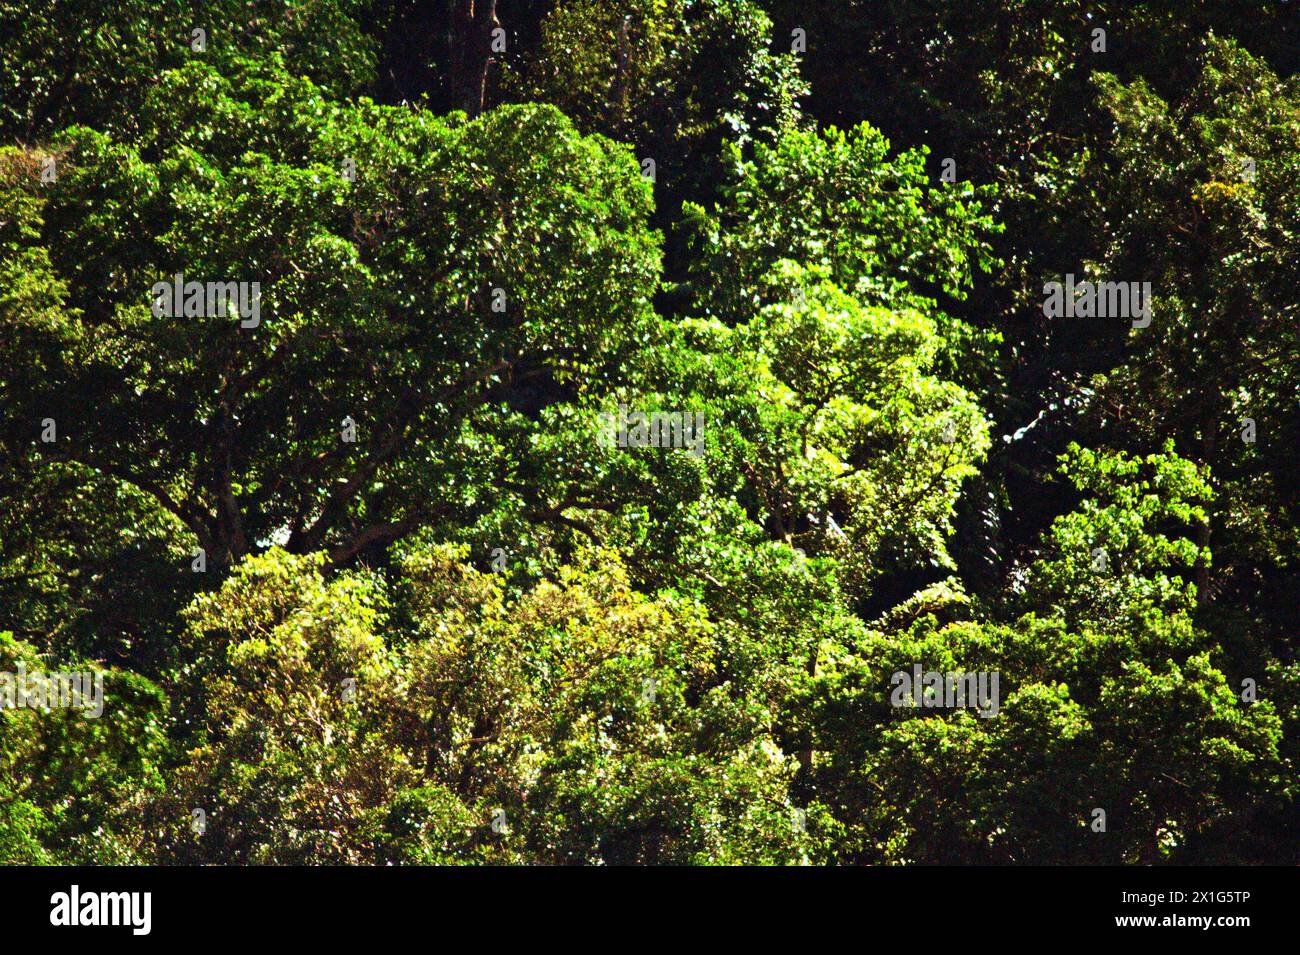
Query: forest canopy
649	431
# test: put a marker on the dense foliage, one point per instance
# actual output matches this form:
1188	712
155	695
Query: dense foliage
608	403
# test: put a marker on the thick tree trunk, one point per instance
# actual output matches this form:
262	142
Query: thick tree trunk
618	92
472	22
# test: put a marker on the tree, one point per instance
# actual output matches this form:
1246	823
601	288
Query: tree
1212	232
580	722
73	777
82	63
882	229
832	424
676	79
1108	698
426	301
